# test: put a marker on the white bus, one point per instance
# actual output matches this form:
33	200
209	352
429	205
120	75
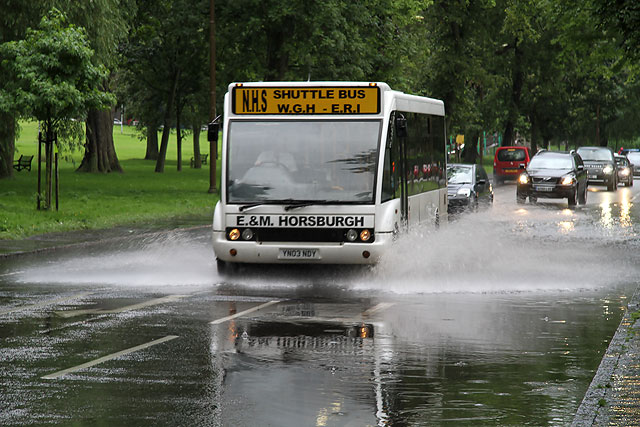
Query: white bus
326	172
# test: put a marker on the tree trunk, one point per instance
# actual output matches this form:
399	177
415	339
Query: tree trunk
99	150
534	134
7	144
178	137
166	131
152	142
197	160
516	92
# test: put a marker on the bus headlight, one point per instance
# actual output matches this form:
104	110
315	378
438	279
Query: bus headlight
247	234
352	235
365	235
234	234
607	169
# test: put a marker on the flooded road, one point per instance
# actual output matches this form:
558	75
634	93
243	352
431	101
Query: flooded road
498	318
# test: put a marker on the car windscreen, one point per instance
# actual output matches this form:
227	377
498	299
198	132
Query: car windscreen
621	161
272	161
551	162
459	174
634	157
511	155
595	154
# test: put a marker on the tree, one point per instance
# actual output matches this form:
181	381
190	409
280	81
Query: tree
51	76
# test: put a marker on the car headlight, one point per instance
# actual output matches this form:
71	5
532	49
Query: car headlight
523	178
567	180
607	169
466	192
624	172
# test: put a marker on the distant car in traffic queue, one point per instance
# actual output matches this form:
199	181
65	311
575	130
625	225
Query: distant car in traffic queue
468	187
600	166
555	175
509	162
625	171
634	159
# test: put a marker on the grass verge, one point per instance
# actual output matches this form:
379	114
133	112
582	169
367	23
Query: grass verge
96	201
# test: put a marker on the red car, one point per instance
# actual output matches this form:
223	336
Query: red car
509	163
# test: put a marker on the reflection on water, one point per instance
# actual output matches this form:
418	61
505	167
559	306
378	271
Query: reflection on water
465	359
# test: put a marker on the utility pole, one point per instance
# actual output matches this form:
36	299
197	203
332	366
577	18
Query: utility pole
213	144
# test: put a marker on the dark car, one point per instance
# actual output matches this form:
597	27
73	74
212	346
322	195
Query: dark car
600	166
625	171
508	162
634	159
468	187
556	175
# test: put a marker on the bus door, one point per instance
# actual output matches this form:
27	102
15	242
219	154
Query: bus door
401	149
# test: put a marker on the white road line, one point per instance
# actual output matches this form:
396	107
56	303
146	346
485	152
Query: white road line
44	303
377	308
242	313
72	313
635	197
109	357
10	274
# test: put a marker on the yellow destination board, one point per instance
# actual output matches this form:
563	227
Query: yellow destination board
304	100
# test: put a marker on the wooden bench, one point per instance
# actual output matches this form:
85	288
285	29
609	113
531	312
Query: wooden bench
24	162
203	160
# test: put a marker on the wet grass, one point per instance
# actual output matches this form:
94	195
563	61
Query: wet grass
95	201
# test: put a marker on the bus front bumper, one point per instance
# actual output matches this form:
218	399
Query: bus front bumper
300	252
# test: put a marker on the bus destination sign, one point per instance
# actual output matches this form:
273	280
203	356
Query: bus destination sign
303	100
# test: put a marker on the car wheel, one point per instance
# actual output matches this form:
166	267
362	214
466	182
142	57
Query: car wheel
631	182
611	186
533	199
520	199
572	198
582	198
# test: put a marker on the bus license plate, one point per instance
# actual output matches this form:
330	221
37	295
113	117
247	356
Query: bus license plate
299	253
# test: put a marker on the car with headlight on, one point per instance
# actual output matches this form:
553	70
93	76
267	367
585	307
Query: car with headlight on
554	175
468	187
600	166
625	170
634	159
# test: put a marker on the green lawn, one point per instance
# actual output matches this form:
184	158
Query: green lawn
93	201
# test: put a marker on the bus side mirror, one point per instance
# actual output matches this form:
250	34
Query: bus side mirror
212	132
401	126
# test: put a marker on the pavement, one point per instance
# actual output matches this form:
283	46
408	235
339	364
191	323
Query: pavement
54	241
613	397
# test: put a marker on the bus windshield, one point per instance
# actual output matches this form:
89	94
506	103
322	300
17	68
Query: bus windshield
311	161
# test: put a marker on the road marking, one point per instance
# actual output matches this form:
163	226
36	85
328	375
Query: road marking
109	357
242	313
44	303
10	274
377	308
635	197
73	313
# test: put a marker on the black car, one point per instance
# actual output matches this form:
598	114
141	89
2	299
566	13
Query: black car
634	159
625	170
556	175
600	166
468	186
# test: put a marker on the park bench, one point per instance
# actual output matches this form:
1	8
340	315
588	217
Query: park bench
24	162
203	160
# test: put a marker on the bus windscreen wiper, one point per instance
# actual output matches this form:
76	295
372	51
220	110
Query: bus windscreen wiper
294	204
249	206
